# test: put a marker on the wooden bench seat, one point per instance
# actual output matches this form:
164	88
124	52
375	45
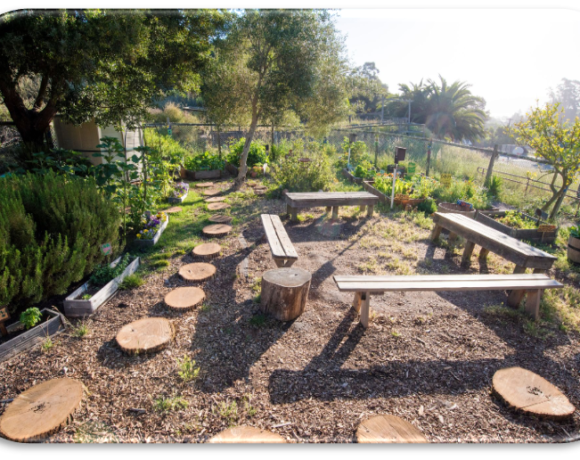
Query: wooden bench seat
364	286
283	251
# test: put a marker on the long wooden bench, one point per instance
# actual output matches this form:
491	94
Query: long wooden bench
365	286
283	251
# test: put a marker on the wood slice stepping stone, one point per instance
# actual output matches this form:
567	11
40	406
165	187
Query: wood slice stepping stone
530	393
215	199
207	250
212	192
199	271
184	298
217	229
145	335
172	210
204	184
388	429
217	206
220	219
41	410
247	435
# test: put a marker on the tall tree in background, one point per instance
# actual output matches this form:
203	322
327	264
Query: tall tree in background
567	94
555	140
102	64
366	88
284	52
448	110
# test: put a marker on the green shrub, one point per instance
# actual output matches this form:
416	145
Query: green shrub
204	162
364	170
132	281
494	186
256	155
51	229
292	174
358	152
428	206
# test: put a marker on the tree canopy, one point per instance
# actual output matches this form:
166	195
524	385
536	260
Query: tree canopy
103	64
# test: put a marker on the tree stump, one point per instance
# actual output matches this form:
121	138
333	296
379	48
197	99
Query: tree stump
388	429
220	219
207	250
199	271
204	184
247	435
215	199
41	410
217	230
212	192
145	335
184	298
530	393
284	292
217	206
172	210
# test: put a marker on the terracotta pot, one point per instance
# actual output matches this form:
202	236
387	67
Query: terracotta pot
574	249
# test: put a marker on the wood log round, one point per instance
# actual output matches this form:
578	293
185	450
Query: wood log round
217	206
530	393
184	298
215	199
41	410
204	184
284	292
247	435
145	335
173	209
220	219
199	271
207	250
217	230
388	429
212	192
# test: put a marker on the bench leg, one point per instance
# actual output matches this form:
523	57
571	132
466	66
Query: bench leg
515	297
483	253
288	209
289	262
533	303
357	301
519	270
294	214
371	210
334	212
466	259
436	232
365	310
328	208
539	270
363	208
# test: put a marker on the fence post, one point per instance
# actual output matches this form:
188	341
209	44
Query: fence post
494	155
527	185
376	149
428	157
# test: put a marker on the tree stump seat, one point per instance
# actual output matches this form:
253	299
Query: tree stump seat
284	292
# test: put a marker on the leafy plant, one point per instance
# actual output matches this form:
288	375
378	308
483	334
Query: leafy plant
131	282
428	206
228	411
494	186
86	297
575	231
30	317
256	155
516	220
165	404
204	162
47	345
364	170
105	273
187	370
81	330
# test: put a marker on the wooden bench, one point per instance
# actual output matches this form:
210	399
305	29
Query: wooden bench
283	251
364	286
332	200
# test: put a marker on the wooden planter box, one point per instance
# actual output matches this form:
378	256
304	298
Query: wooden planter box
32	337
232	169
368	185
155	239
455	209
350	177
201	175
487	218
174	200
75	307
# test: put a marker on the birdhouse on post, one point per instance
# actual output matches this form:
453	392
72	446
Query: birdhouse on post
400	153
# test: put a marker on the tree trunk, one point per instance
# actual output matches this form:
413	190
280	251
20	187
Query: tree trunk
219	139
244	160
554	193
561	195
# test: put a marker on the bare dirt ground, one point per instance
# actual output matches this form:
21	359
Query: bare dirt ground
426	357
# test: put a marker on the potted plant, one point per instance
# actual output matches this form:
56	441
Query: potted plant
102	284
153	227
33	326
574	244
180	192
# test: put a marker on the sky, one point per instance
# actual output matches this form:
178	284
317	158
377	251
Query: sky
510	57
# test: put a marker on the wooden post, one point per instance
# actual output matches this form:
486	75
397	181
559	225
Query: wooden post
494	156
357	301
335	212
466	259
328	208
363	208
515	297
533	303
428	160
483	253
370	210
365	310
436	232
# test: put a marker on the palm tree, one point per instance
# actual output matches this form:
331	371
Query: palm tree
454	112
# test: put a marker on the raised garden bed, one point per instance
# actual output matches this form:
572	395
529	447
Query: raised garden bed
182	186
75	306
144	243
402	200
488	218
231	169
455	209
201	175
20	340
